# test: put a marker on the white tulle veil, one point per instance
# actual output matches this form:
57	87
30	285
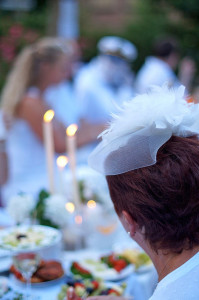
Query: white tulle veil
141	127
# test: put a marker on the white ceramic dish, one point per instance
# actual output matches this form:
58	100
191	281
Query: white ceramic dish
36	238
39	284
100	270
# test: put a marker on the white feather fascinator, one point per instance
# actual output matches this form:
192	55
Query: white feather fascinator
141	127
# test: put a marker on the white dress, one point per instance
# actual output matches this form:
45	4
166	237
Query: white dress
154	72
181	284
26	155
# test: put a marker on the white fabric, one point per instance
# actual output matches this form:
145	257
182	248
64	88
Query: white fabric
96	95
115	44
154	72
26	158
61	98
181	284
26	153
141	127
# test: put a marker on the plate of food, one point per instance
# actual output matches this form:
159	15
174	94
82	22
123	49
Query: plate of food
140	259
47	273
91	287
110	267
28	238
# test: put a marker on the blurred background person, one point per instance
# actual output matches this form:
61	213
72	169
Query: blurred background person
103	83
37	67
161	66
107	79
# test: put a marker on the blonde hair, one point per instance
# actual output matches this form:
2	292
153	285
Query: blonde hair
26	68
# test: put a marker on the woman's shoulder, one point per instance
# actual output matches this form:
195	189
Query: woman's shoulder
32	105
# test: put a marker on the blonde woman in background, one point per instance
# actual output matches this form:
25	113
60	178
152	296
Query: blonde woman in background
39	66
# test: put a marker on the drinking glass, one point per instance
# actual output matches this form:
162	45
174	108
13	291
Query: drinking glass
26	264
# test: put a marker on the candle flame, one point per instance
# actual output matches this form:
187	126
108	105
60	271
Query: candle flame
62	161
48	116
70	207
91	204
78	219
71	130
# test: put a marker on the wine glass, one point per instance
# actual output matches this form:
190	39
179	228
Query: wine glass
26	264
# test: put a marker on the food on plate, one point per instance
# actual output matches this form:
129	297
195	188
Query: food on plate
21	238
77	269
115	261
46	271
27	237
107	267
136	257
91	287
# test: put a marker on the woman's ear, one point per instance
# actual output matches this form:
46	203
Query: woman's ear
129	223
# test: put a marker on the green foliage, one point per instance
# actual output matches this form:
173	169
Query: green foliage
18	30
83	198
188	8
152	19
39	212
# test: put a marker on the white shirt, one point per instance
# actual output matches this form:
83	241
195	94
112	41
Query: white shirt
154	72
181	284
61	98
96	96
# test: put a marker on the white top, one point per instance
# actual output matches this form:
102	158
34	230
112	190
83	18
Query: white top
61	98
181	284
26	158
154	72
96	95
26	153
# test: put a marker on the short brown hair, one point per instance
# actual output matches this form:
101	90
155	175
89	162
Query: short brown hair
164	198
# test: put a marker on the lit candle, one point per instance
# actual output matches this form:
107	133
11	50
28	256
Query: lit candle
49	147
71	148
70	207
62	161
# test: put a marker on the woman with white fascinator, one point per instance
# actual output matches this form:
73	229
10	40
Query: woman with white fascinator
150	156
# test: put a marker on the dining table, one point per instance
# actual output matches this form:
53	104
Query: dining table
140	283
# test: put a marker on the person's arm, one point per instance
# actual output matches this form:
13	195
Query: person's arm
3	163
187	69
33	110
88	132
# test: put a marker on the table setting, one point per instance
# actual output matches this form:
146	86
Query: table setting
69	236
37	268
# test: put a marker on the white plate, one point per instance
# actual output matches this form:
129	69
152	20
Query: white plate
5	260
5	263
50	235
105	273
39	284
